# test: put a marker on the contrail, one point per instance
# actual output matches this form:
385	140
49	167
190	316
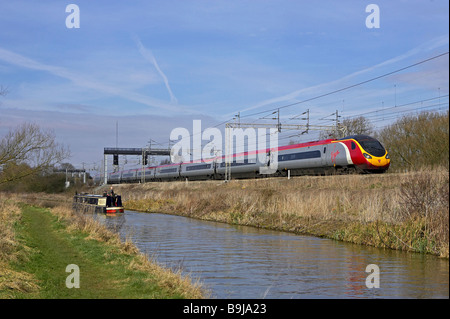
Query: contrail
148	55
87	82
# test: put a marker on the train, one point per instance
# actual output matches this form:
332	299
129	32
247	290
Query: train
351	154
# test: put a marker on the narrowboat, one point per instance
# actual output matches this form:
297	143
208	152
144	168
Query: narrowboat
89	203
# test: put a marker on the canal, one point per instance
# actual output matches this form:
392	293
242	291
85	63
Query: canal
246	262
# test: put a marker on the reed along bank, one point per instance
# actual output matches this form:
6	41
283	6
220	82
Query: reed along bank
404	211
38	242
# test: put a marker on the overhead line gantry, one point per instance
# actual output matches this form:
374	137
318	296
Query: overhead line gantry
144	152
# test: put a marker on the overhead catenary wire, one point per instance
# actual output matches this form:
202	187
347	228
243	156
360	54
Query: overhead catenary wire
350	86
272	110
269	111
388	113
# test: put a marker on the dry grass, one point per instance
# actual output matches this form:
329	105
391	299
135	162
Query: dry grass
9	215
168	280
11	251
173	281
327	198
343	207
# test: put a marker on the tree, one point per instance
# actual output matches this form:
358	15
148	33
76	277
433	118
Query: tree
30	149
66	166
165	161
416	141
356	126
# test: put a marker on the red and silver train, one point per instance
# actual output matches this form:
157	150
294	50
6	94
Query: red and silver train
352	154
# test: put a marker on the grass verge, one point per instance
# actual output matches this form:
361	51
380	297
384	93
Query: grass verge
37	245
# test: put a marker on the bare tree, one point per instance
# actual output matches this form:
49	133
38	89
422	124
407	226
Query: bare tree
356	126
28	150
66	166
165	161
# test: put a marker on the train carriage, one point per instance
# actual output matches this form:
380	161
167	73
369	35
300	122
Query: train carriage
146	174
129	176
139	175
198	170
150	173
302	158
115	177
168	172
241	167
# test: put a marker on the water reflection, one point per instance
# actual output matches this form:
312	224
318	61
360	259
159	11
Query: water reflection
245	262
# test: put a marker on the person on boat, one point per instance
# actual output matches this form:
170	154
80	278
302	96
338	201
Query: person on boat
111	192
113	196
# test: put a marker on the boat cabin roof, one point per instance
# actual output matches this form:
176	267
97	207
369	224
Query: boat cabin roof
88	195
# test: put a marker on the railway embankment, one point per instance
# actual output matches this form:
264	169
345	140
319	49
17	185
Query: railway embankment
54	253
403	211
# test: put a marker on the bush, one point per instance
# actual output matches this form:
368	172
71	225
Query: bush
37	183
426	200
417	141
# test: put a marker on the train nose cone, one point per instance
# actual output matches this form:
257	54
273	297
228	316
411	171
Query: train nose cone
379	161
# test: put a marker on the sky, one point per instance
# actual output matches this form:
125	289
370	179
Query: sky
133	71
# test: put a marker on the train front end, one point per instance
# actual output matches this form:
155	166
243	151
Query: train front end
367	153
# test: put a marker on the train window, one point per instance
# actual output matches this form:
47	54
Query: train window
353	145
197	167
369	144
246	162
299	156
240	163
169	170
324	149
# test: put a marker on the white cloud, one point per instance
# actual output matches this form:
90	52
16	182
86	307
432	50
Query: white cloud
148	55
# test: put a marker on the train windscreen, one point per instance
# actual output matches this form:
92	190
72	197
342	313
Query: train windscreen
370	145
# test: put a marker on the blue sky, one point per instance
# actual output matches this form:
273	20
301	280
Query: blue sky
154	66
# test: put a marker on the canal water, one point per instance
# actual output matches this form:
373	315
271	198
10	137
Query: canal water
246	262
